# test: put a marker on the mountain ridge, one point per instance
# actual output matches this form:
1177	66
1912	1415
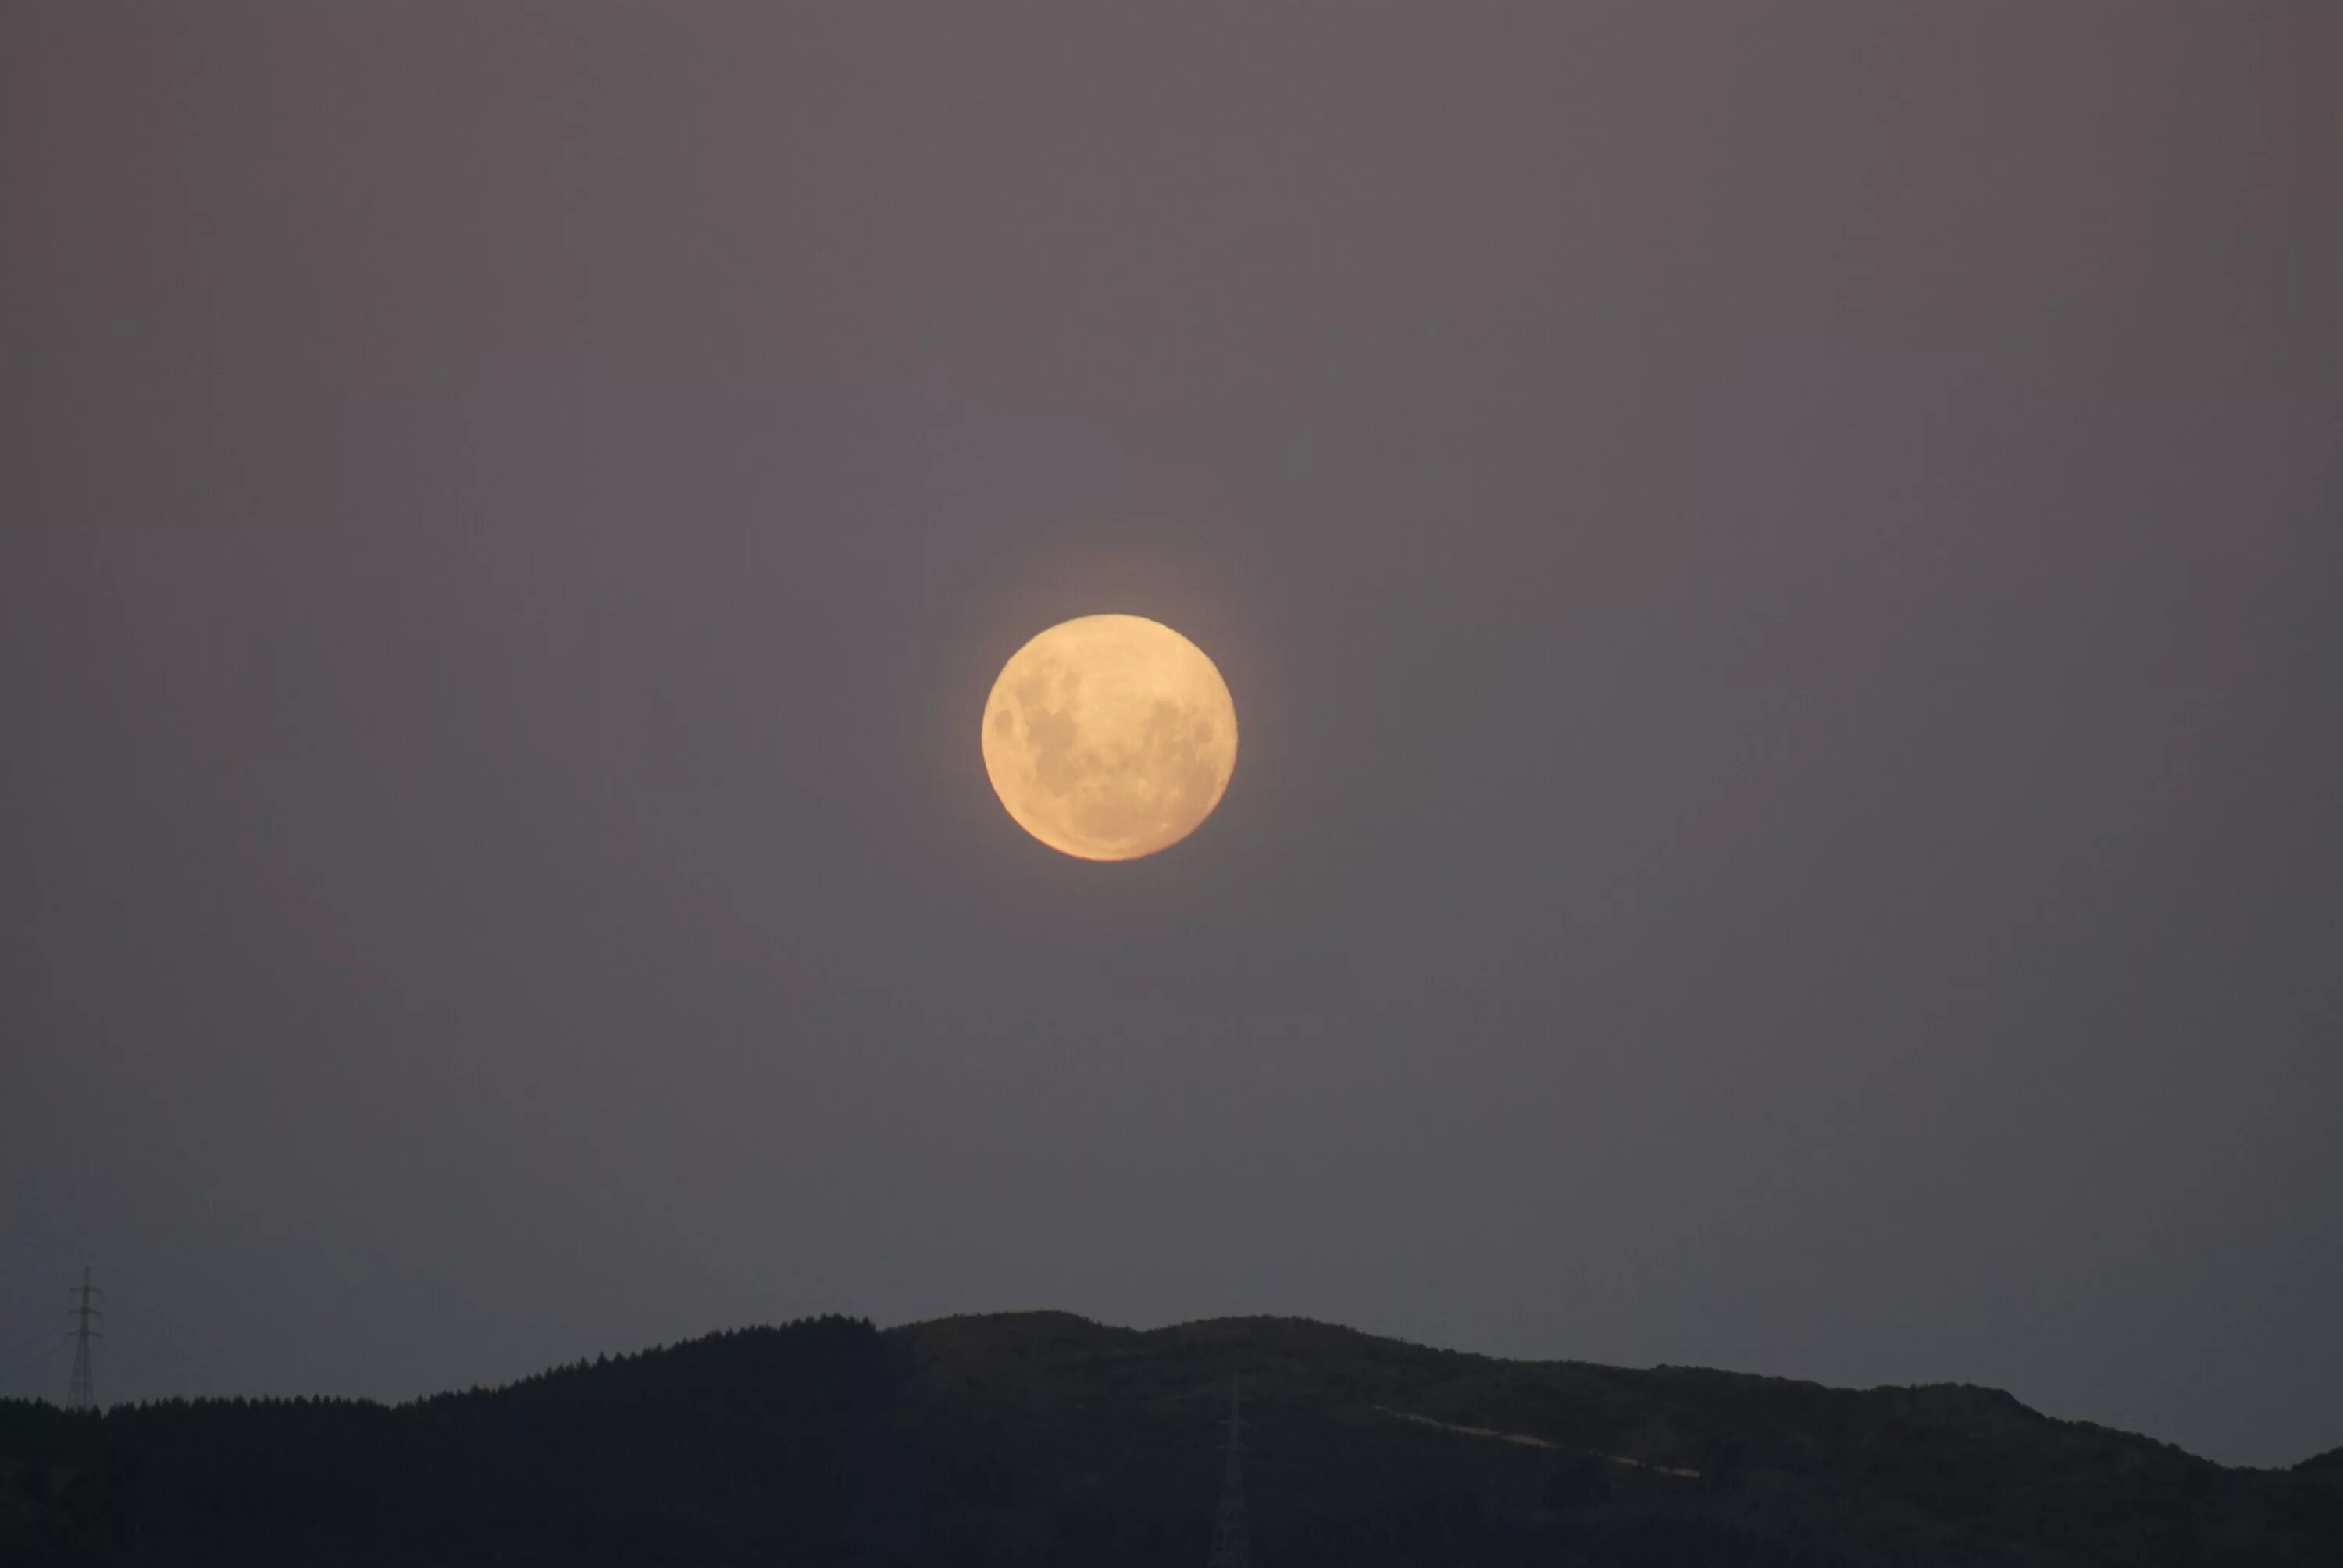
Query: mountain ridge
1045	1438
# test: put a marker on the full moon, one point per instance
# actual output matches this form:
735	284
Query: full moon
1110	737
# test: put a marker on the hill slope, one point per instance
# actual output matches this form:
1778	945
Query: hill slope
1044	1439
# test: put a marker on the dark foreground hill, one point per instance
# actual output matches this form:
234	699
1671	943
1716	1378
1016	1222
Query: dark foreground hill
1043	1438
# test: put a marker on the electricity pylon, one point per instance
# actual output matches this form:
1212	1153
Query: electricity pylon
1232	1541
81	1394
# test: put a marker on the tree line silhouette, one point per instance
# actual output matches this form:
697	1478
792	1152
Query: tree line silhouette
1042	1440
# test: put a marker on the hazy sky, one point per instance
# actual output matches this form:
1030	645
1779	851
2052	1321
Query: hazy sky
1779	565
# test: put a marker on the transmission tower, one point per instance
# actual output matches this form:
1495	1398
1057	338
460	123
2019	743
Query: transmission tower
80	1394
1232	1541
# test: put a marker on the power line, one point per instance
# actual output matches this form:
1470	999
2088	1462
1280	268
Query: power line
81	1394
161	1364
150	1336
154	1375
27	1363
23	1342
1231	1540
47	1338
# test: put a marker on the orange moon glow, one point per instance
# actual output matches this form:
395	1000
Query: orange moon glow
1110	737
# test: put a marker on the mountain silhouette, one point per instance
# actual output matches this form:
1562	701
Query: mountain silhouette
1044	1439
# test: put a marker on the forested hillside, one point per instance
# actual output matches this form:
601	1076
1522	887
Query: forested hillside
1043	1438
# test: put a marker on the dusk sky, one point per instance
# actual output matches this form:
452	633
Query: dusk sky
1781	568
